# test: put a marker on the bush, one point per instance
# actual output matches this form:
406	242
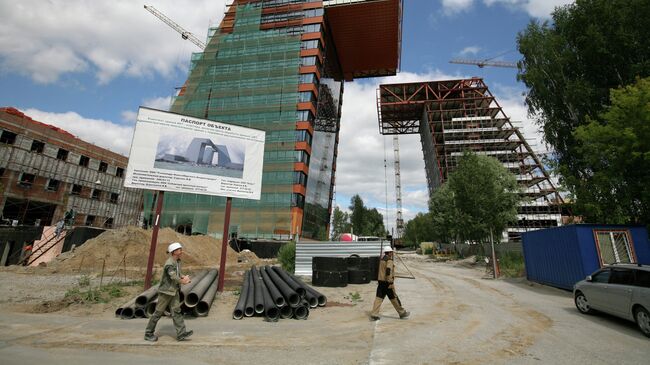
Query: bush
287	256
512	265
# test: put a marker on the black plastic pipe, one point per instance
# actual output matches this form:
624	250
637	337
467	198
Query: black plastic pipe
292	284
277	297
238	313
309	296
185	289
249	308
322	299
151	307
302	310
289	294
259	293
139	312
128	310
286	312
146	296
205	304
271	311
194	296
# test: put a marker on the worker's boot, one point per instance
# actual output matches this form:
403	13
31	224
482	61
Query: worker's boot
400	310
150	337
374	315
183	336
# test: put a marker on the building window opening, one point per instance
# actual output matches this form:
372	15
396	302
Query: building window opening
53	185
27	180
8	137
108	223
90	220
96	195
614	247
119	172
62	155
103	166
76	189
84	161
37	146
114	198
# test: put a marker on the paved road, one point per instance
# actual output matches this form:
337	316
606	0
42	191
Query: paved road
457	318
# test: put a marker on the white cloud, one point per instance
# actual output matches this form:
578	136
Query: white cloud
534	8
103	133
470	50
45	40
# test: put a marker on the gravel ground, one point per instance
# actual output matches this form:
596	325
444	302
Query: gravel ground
458	317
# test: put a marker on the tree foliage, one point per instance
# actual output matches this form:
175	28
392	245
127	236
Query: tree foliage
485	195
365	222
479	195
616	147
340	223
569	66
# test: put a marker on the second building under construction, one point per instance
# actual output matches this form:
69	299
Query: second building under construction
454	116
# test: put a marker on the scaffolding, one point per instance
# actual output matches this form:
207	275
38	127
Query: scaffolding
455	116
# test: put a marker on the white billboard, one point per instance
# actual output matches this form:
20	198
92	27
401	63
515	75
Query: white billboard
174	152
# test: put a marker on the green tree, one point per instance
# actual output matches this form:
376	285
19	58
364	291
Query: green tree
365	222
444	216
616	147
340	223
418	229
485	195
570	64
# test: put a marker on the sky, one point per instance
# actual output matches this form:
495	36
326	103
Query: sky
86	67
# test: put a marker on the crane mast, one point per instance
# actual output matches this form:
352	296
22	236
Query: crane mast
184	34
399	224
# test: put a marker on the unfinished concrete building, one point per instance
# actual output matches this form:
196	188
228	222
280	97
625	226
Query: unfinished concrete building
454	116
46	172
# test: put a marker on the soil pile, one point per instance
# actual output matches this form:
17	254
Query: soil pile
129	246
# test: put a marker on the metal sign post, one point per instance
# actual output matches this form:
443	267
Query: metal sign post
224	245
154	240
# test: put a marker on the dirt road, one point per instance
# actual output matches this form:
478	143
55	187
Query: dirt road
457	317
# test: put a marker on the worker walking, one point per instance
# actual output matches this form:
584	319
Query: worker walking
168	295
386	286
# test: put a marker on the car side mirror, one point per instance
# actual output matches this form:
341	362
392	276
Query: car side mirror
588	278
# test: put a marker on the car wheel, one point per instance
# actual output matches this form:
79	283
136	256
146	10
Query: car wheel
642	318
582	303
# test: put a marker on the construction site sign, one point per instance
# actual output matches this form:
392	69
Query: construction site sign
174	152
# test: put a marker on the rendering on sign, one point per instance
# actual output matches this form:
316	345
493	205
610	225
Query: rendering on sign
174	152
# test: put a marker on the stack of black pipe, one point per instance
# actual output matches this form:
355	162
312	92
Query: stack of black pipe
274	293
341	271
196	298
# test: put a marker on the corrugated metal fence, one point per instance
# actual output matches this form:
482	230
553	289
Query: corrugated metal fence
305	251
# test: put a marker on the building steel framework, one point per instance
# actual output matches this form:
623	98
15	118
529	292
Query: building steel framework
454	116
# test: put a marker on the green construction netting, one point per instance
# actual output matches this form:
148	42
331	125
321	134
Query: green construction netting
249	78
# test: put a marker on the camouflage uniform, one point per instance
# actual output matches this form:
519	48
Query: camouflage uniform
168	295
386	286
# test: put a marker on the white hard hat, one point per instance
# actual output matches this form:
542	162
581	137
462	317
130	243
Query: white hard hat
173	247
388	249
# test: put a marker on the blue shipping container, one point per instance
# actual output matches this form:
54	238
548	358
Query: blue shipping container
562	256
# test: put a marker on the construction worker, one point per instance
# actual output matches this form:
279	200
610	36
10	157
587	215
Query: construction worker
168	295
386	286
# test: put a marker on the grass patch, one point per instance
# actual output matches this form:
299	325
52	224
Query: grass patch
512	265
88	295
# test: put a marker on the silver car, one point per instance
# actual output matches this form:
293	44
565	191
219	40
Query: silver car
622	290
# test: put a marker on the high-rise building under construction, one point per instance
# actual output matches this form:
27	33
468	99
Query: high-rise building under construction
454	116
280	66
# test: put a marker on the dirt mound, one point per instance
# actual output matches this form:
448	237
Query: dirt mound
129	246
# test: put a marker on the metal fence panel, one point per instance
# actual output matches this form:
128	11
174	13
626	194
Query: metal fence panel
305	251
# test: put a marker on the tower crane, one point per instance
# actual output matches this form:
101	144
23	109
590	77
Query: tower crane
184	34
483	63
